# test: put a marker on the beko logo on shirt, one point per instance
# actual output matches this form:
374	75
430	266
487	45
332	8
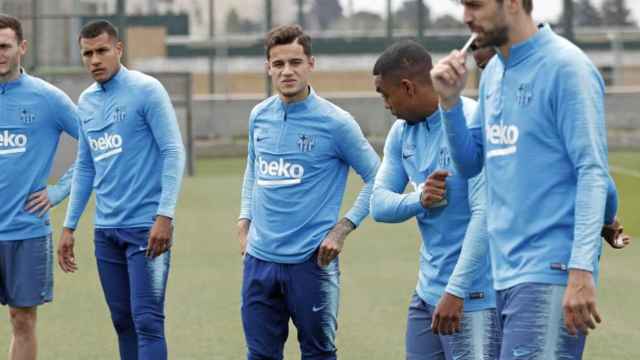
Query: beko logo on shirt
12	143
501	134
289	174
110	143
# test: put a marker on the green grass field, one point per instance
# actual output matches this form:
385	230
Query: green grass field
379	272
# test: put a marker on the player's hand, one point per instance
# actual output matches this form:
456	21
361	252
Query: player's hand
434	189
579	304
447	316
332	245
160	236
449	77
614	235
243	231
66	258
38	202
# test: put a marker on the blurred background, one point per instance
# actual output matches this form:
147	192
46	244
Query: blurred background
210	55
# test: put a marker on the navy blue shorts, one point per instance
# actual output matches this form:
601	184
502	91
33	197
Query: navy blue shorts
532	324
26	272
306	293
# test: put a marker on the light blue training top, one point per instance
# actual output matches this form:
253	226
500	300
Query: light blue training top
540	133
130	151
411	154
298	160
34	114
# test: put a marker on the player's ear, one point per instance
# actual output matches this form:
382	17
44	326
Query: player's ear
312	62
408	87
267	67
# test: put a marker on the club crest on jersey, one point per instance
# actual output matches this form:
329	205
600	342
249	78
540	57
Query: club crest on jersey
305	142
27	117
119	114
524	94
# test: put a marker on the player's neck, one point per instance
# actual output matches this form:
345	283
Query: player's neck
297	97
10	76
525	29
430	105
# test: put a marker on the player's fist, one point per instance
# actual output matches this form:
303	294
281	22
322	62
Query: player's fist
449	76
66	258
434	189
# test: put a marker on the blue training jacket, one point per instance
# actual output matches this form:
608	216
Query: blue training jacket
411	154
298	160
540	133
130	151
34	114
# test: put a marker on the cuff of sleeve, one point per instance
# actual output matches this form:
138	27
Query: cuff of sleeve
55	194
454	112
71	224
354	219
413	199
244	216
455	291
166	212
574	265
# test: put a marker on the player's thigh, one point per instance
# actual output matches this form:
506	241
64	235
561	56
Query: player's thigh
313	297
479	338
533	324
265	317
420	342
113	273
26	272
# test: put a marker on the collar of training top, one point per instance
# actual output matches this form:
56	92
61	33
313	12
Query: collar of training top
15	83
115	79
302	105
523	50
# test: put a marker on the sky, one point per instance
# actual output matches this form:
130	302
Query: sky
543	10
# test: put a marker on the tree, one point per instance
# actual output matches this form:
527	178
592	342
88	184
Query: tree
586	14
407	15
616	13
326	12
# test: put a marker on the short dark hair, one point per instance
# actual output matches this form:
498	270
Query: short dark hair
10	22
96	28
287	34
526	4
405	58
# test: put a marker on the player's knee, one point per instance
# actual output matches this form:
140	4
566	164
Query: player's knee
122	322
23	321
150	325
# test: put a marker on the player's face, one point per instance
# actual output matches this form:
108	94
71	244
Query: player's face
396	99
11	53
487	18
289	68
101	56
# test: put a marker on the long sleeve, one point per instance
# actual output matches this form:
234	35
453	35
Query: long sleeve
249	179
475	246
611	209
580	119
161	118
465	138
60	190
388	202
81	184
69	122
356	151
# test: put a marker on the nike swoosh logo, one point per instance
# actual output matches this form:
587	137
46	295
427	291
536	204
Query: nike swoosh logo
142	248
86	120
406	156
318	308
258	139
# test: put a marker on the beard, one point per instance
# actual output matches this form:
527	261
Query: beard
495	37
